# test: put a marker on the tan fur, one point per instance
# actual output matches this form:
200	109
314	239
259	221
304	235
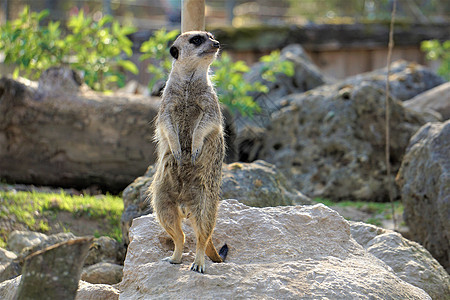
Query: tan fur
189	133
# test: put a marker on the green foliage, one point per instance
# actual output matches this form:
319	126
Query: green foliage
273	65
31	47
437	51
97	47
37	211
233	90
156	48
94	48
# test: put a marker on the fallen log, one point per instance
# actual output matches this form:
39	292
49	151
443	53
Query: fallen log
60	133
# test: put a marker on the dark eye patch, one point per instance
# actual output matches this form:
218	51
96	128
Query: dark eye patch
197	40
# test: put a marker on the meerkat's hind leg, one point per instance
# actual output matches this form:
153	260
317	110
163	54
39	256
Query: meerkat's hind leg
203	231
170	220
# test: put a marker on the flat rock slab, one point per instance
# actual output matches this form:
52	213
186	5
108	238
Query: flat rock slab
275	252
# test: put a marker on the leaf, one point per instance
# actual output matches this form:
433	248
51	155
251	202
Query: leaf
106	19
129	66
16	73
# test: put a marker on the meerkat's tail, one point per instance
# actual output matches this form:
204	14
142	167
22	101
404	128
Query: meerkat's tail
211	252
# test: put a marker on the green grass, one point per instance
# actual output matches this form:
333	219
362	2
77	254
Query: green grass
379	210
38	211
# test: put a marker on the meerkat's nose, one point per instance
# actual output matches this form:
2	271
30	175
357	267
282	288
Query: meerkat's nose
216	44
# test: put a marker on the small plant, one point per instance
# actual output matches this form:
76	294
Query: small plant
29	46
94	48
437	51
156	49
233	90
97	48
273	65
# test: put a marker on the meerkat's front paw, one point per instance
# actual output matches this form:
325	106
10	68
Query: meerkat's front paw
177	155
195	154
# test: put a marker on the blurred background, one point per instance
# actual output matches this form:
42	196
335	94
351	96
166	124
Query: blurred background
343	37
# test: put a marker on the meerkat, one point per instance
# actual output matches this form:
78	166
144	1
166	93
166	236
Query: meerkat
190	149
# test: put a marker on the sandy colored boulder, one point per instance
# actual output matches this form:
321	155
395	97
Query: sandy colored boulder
275	252
409	260
103	272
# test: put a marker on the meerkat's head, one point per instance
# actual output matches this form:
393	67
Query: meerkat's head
195	49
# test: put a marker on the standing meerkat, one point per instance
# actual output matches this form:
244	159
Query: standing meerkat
190	150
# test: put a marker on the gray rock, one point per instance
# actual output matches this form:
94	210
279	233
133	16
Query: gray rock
8	267
435	101
409	260
6	256
256	184
86	291
407	79
259	184
424	179
105	249
330	141
103	272
46	241
285	252
18	240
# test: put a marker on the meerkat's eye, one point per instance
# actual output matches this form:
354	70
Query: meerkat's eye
197	40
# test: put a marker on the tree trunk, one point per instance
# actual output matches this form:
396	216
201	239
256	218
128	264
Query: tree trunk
54	273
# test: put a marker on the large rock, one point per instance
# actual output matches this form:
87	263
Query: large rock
331	141
424	179
257	184
434	101
105	249
26	242
406	80
409	260
302	252
86	291
102	272
8	267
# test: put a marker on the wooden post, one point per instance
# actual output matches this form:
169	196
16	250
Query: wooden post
193	15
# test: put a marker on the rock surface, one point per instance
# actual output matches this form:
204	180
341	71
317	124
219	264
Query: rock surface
259	184
424	179
331	141
105	249
284	252
434	101
103	272
26	242
256	184
409	260
110	140
86	291
406	80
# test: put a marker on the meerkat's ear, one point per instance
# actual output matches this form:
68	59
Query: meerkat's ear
174	52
